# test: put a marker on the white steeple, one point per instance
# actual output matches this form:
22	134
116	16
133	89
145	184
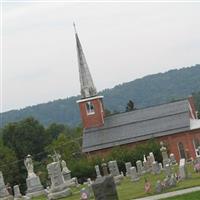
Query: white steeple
87	86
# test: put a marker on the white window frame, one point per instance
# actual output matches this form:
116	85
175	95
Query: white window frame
196	148
90	108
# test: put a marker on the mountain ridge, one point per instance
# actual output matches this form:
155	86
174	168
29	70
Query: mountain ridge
147	91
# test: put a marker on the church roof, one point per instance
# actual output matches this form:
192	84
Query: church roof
138	125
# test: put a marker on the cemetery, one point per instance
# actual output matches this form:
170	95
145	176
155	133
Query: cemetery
175	123
146	178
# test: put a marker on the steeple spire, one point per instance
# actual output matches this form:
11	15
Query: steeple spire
87	86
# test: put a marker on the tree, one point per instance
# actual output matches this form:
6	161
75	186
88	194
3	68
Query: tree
68	147
54	130
26	137
130	106
8	164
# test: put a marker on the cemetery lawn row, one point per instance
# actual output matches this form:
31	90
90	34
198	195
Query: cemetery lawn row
129	190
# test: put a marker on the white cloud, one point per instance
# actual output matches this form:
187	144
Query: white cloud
122	41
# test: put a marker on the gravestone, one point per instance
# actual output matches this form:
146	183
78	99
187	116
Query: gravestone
145	165
59	187
155	168
172	159
172	181
168	170
128	165
133	174
139	167
160	166
159	186
149	163
167	182
4	194
182	169
113	168
97	171
104	188
34	186
151	158
65	171
17	193
105	169
165	157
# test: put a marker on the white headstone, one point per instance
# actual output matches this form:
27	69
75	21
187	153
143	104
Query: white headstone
182	169
139	167
113	168
133	174
97	171
3	191
151	157
128	165
17	193
172	159
59	187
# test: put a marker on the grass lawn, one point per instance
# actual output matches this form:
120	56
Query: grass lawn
129	190
190	196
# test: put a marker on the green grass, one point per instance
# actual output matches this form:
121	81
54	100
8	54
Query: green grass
129	190
189	196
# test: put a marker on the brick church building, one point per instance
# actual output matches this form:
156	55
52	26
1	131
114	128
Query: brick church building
176	123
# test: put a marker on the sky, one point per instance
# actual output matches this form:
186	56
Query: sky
121	42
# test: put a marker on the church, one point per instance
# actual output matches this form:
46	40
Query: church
176	124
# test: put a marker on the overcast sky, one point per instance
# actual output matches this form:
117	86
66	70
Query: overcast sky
121	41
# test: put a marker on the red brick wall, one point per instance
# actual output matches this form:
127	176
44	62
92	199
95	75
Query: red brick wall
172	143
93	120
191	102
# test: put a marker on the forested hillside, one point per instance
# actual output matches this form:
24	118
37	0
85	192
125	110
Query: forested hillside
147	91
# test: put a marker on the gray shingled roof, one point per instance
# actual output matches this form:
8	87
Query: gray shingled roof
138	125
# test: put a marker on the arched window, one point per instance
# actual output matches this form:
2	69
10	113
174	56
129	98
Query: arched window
196	143
181	150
